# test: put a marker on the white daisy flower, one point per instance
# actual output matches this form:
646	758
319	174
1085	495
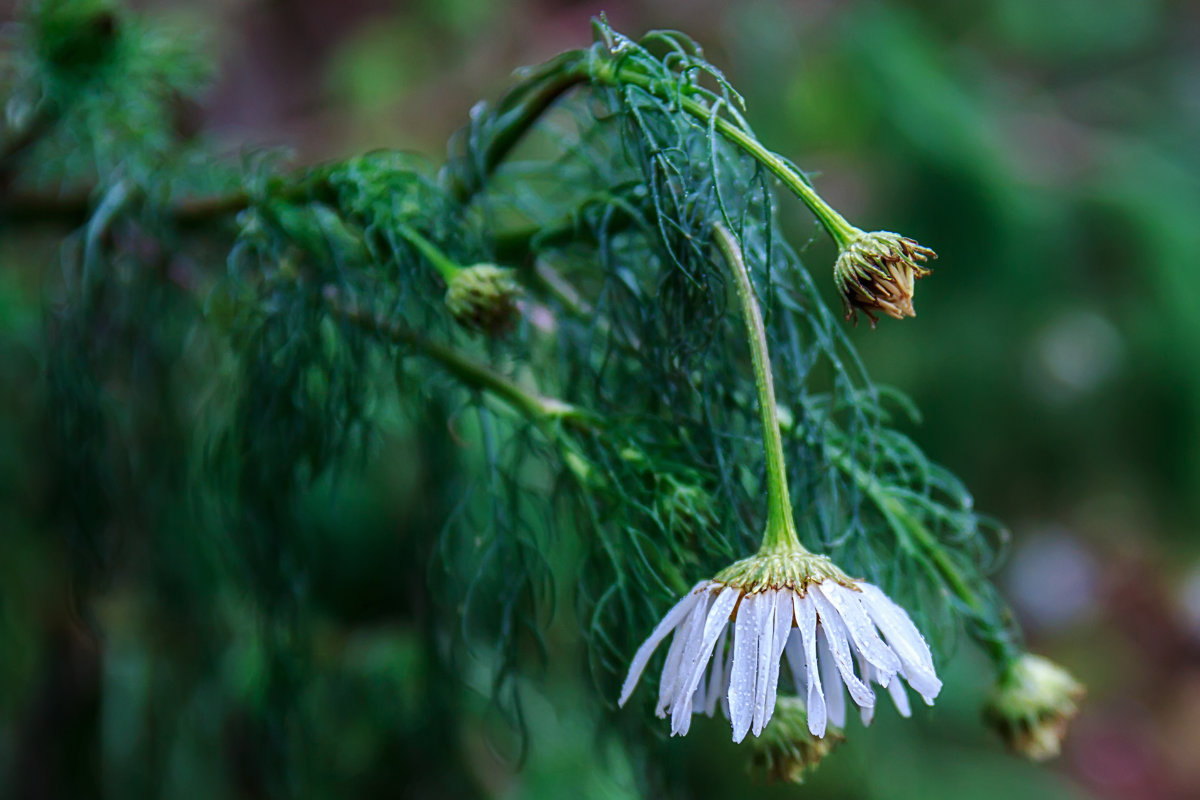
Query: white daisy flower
732	632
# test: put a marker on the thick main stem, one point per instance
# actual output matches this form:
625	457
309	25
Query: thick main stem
781	529
835	224
468	371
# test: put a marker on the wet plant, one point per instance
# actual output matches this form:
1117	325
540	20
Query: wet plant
606	371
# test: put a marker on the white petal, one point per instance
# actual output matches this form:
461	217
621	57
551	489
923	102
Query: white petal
835	697
839	649
695	702
862	631
701	694
694	627
745	662
766	646
806	623
900	698
728	672
784	618
868	674
795	656
893	621
905	640
720	673
642	657
687	640
696	660
671	667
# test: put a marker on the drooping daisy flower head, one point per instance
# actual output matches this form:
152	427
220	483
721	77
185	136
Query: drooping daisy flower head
876	273
731	635
1033	703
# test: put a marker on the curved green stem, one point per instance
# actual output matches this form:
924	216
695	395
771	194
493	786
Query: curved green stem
447	268
838	228
516	114
513	123
781	529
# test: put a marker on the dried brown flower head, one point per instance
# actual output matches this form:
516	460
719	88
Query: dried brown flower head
876	272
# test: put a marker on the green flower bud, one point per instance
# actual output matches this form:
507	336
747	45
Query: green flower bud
876	272
786	750
484	297
1031	705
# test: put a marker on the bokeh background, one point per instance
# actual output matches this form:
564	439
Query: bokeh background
1048	149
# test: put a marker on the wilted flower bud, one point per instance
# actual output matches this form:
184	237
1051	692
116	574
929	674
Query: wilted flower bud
876	271
1031	706
483	297
787	750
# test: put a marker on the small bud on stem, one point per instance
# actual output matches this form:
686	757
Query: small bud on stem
483	297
